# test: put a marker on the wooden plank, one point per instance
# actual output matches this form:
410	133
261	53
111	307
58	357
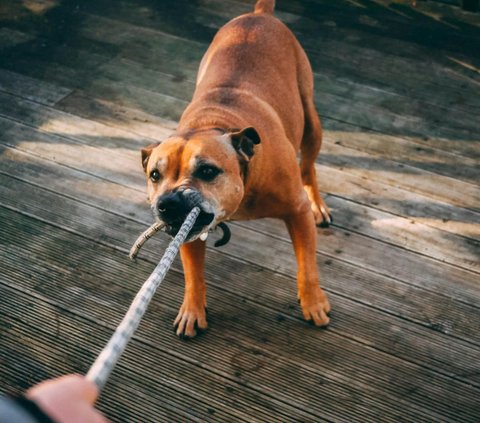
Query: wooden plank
398	174
408	234
393	24
31	89
362	252
454	15
123	95
122	168
272	350
43	44
334	245
122	135
9	38
420	129
389	147
130	121
119	115
384	197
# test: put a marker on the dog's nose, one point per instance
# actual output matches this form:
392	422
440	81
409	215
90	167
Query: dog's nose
172	206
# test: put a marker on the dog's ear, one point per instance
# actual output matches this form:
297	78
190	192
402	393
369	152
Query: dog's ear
146	154
244	141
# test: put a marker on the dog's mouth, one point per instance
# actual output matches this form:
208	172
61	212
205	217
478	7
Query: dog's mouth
201	225
172	208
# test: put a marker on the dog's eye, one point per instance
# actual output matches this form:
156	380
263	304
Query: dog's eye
155	175
207	173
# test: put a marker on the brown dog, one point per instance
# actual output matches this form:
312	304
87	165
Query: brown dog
234	154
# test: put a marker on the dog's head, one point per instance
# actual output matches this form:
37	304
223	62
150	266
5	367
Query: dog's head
204	168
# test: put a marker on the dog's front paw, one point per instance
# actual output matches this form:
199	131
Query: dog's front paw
190	320
315	307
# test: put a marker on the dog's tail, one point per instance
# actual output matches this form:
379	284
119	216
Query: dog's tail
265	6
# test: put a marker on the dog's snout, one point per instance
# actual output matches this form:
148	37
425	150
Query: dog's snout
173	207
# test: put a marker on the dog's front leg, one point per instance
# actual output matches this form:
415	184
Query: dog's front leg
313	300
192	314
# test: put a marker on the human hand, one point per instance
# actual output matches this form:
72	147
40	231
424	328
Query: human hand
67	399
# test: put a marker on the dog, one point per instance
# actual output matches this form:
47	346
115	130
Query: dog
234	155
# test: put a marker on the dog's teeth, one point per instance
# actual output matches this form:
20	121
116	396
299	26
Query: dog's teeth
204	236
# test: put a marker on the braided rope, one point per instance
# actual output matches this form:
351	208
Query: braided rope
143	238
105	362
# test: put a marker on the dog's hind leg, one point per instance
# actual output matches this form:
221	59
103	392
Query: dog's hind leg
312	298
311	143
310	146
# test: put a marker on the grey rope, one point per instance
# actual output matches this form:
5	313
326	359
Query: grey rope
105	362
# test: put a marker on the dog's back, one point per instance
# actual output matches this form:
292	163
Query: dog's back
255	55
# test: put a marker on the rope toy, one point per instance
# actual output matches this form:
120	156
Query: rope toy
143	238
105	362
152	230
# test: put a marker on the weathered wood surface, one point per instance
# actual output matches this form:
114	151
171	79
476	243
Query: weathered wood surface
84	85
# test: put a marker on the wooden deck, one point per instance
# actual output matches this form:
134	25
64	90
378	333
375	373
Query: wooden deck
85	84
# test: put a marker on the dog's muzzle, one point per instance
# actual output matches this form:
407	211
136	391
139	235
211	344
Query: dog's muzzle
173	207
